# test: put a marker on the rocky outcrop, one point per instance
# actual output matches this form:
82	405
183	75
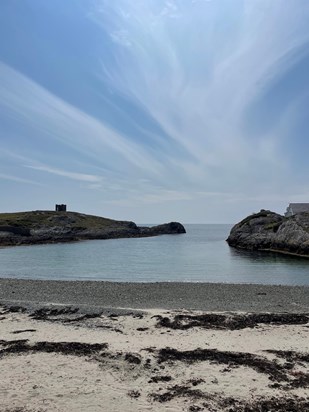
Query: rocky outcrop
270	231
49	227
165	229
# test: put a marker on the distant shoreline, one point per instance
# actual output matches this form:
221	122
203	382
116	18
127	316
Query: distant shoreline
45	227
160	295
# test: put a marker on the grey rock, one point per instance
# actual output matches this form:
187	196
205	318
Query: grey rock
171	228
49	227
270	231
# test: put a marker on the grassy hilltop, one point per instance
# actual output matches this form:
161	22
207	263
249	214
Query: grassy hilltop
49	226
39	218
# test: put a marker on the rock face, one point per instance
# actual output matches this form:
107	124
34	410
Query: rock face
270	231
165	229
49	227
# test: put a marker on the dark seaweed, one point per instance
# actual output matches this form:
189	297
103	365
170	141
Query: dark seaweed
131	358
274	404
162	378
231	322
179	391
65	348
290	355
22	331
260	364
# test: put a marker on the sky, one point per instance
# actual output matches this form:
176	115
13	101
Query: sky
154	110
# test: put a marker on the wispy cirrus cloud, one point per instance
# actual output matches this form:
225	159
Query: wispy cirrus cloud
159	102
196	67
18	179
82	177
34	107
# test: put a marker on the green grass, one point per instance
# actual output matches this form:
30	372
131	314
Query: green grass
35	219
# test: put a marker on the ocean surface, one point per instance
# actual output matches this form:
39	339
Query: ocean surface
200	255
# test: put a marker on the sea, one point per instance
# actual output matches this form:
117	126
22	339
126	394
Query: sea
200	255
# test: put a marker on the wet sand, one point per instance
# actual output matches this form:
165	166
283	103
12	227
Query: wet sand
195	296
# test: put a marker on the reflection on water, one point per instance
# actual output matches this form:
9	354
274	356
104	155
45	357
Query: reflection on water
201	255
265	258
270	267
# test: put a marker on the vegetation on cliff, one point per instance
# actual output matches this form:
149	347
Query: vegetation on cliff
49	227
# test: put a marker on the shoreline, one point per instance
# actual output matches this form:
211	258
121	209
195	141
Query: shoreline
181	347
219	297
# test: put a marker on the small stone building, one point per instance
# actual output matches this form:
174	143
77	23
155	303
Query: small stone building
295	208
61	208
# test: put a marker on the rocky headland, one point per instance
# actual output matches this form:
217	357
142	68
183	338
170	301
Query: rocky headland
269	231
37	227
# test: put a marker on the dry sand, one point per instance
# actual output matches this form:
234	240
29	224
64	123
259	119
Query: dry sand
102	346
71	359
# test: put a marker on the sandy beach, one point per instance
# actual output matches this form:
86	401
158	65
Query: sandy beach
97	346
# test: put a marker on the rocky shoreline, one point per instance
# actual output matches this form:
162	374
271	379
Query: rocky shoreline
40	227
269	231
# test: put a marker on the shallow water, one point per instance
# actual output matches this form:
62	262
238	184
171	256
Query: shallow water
200	255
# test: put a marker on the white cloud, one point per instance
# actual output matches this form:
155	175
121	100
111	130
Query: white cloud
197	75
27	102
18	179
192	66
82	177
121	37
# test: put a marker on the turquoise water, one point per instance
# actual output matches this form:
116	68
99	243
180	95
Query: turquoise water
200	255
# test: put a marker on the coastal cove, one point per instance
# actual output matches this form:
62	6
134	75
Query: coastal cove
200	255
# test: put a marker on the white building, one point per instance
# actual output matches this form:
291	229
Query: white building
294	208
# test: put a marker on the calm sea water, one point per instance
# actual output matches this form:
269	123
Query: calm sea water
200	255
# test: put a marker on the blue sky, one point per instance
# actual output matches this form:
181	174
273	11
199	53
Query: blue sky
154	110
